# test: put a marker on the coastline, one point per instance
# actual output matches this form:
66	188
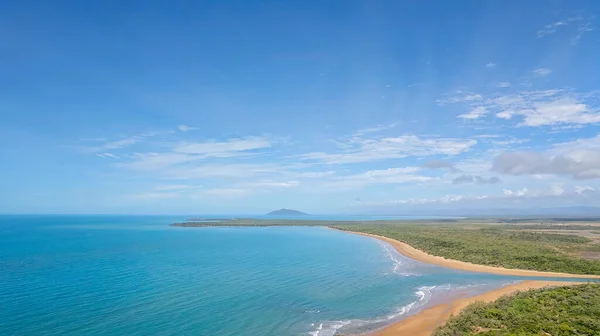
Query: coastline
425	257
426	321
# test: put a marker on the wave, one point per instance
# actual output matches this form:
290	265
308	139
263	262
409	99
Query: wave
423	296
402	265
330	328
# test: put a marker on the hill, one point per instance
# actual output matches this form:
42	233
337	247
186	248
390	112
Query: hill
286	212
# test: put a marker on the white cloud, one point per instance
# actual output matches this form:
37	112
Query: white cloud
365	150
583	189
542	72
536	108
185	128
552	27
581	30
107	155
523	198
503	85
515	193
155	161
583	26
118	144
475	113
561	111
510	141
215	148
490	65
375	129
191	153
226	170
272	184
382	176
475	179
578	159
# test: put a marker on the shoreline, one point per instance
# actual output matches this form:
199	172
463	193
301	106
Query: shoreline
426	321
416	254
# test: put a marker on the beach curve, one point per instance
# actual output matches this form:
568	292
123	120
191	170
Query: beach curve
426	321
416	254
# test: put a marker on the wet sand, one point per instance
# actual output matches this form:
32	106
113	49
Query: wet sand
426	321
419	255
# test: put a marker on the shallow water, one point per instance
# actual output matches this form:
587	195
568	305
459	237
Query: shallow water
135	275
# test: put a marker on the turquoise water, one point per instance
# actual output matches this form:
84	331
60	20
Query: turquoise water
134	275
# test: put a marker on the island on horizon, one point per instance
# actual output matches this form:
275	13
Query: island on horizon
286	212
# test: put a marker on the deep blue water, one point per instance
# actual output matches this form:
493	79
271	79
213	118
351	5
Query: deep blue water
135	275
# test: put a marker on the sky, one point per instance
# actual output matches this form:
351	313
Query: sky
330	107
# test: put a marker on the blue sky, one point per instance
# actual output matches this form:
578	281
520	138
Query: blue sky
326	107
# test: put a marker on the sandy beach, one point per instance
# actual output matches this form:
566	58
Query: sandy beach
425	322
419	255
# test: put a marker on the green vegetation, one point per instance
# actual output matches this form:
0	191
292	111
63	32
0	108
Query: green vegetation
558	311
548	227
493	246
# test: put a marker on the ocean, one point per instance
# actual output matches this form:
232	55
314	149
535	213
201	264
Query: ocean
135	275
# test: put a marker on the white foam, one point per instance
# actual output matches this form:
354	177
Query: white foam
396	258
328	328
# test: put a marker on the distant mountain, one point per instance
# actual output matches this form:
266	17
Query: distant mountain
286	212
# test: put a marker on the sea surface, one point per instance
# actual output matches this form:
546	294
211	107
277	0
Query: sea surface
135	275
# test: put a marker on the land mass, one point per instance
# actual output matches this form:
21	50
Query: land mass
570	310
426	322
521	247
517	247
286	212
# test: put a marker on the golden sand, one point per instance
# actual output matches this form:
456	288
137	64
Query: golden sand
425	322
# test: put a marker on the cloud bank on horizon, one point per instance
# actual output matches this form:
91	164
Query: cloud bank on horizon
349	107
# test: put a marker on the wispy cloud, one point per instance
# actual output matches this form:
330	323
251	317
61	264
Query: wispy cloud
542	72
382	176
475	179
490	65
375	129
475	113
536	108
365	150
119	143
581	30
216	148
185	128
551	28
583	26
517	198
107	155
